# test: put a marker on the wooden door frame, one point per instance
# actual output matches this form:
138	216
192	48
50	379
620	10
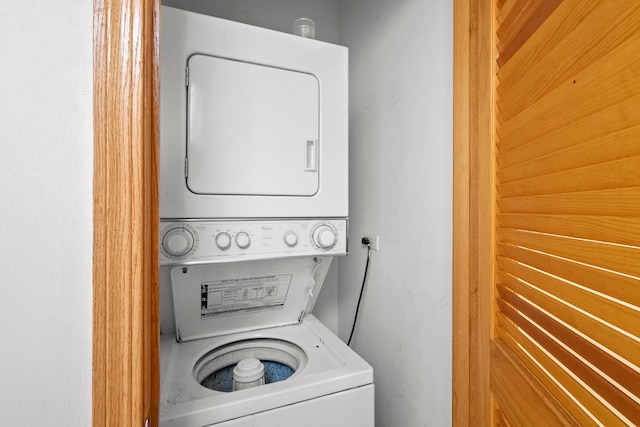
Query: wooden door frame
125	212
473	202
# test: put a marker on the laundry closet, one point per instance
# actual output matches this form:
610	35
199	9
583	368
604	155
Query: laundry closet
399	158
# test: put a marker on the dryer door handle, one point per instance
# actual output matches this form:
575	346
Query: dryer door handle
311	155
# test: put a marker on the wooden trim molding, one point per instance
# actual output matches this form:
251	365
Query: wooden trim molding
461	363
125	214
473	203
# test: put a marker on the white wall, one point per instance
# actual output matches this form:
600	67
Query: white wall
46	212
401	188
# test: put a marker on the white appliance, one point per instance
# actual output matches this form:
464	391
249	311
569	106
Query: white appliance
232	311
227	150
254	206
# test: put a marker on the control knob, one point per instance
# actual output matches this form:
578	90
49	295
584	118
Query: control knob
243	240
290	238
178	241
223	240
324	237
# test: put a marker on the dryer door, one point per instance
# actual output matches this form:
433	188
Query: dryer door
251	129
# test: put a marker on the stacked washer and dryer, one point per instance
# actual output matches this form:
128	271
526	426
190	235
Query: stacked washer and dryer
254	207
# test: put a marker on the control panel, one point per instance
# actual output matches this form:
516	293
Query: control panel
207	241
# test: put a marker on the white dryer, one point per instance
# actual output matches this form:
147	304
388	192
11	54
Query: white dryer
253	122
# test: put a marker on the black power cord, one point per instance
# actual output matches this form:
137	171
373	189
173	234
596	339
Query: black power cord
365	241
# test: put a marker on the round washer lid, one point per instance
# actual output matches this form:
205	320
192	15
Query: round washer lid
219	299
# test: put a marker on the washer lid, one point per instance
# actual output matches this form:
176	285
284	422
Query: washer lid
219	299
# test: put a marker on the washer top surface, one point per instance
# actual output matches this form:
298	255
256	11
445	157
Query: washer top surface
327	366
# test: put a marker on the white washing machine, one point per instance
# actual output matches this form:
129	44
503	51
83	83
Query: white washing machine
331	387
235	309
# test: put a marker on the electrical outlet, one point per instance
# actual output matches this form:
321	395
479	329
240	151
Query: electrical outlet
374	240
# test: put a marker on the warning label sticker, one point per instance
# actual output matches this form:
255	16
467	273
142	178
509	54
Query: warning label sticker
242	295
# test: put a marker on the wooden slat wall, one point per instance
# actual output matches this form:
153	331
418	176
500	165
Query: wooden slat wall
512	382
568	213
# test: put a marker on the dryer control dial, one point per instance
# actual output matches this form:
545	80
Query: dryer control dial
290	238
243	240
178	241
223	240
324	236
